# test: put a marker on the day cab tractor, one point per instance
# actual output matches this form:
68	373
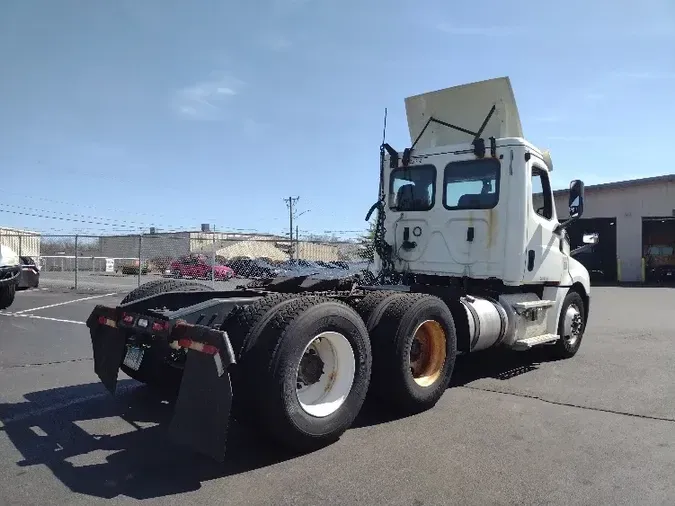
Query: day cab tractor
469	255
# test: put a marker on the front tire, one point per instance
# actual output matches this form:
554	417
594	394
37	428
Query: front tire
309	372
571	327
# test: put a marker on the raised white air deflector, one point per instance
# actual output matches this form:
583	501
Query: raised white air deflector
531	342
465	106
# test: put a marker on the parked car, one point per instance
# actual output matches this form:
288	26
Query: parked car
199	266
30	273
302	267
660	263
132	268
253	268
10	271
341	264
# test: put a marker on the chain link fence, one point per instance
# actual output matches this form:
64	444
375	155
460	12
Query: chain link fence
117	264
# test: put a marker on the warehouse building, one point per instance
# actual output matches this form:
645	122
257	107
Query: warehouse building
23	242
633	218
159	246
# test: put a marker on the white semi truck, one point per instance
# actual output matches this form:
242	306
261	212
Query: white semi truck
470	255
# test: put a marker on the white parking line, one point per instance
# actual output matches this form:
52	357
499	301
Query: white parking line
64	303
36	317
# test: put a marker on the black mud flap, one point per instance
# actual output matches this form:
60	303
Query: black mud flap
108	344
202	411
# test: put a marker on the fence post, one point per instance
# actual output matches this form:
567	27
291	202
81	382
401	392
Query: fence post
140	265
76	261
213	262
20	244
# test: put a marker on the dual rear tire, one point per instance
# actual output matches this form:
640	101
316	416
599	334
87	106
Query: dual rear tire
305	364
414	345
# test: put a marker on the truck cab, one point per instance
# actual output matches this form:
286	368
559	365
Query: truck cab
481	208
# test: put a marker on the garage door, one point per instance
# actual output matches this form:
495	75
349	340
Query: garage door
658	242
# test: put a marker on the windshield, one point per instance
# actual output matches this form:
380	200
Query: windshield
412	188
471	184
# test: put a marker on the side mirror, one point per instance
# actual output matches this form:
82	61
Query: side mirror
590	238
576	203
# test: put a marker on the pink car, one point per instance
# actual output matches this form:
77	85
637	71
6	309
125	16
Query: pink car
198	266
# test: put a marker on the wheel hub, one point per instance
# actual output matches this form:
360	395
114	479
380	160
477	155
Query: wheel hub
427	353
325	373
415	350
311	368
573	325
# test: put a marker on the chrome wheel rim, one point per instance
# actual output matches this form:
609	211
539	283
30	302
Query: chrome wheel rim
573	325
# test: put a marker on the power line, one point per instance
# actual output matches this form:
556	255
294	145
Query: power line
85	216
86	206
115	225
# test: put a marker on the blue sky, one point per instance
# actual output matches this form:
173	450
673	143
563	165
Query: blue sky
174	113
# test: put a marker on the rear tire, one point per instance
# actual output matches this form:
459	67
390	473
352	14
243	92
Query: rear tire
414	349
7	295
372	306
154	371
243	327
308	372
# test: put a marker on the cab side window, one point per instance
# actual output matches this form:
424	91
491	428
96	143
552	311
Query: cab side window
542	197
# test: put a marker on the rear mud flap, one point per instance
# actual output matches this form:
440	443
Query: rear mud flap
202	411
109	346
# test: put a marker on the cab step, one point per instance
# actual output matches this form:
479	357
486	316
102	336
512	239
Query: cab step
533	304
531	342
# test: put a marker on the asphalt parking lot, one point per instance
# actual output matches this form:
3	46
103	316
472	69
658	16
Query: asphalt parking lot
512	429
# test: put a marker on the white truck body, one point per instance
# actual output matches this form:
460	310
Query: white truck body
452	213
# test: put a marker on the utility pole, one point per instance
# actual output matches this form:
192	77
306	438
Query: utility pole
290	202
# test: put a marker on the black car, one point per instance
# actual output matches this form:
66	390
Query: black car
253	268
30	273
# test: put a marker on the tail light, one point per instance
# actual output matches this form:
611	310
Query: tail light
160	326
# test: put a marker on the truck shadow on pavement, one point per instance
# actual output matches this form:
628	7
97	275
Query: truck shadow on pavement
90	450
108	447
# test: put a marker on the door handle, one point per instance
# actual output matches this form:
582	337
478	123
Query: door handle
470	232
530	260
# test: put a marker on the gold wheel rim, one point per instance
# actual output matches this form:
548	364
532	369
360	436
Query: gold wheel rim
427	353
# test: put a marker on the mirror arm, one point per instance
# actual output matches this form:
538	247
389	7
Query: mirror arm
581	249
562	226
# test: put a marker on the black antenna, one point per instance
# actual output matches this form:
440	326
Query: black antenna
384	129
393	154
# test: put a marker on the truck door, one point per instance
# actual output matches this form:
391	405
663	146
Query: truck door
544	258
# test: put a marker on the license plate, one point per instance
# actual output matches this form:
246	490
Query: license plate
142	322
133	358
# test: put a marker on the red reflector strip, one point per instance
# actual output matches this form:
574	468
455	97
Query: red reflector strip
209	349
102	320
